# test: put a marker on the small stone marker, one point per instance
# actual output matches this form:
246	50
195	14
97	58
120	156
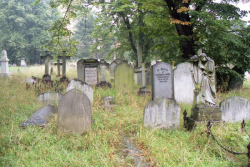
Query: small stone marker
162	81
23	62
108	100
84	87
4	65
183	83
124	77
235	109
49	98
74	112
87	71
163	113
41	117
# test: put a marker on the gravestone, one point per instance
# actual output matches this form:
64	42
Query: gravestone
49	98
64	58
113	64
162	81
23	62
58	64
41	117
235	109
109	103
183	83
74	112
4	65
163	113
46	58
84	87
87	71
102	75
124	77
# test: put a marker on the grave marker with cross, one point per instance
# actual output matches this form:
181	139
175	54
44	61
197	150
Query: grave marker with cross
64	58
46	58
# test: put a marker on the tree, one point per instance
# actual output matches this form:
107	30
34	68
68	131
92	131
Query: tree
24	28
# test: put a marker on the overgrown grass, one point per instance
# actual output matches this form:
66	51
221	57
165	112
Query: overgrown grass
103	146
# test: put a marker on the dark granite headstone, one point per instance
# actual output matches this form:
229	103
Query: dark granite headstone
162	81
74	112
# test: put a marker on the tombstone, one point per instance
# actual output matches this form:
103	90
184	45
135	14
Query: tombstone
124	77
235	109
4	65
102	75
163	113
162	81
74	112
87	71
113	64
58	64
23	62
183	83
46	58
64	58
108	103
84	87
49	98
41	117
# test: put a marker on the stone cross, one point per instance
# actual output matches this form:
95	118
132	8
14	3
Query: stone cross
139	55
46	58
64	58
58	64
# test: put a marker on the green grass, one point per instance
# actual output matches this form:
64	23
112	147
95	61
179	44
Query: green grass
103	146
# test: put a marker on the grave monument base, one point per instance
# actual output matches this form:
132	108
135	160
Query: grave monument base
202	113
64	79
4	75
104	84
46	77
144	91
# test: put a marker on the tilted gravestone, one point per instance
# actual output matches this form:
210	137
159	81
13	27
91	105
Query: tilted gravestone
124	77
163	113
41	117
235	109
84	87
49	98
74	112
183	83
162	81
87	71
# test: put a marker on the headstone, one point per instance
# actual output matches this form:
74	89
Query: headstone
49	98
74	112
58	64
162	81
108	103
183	83
235	109
163	113
41	117
23	62
113	64
124	77
4	65
87	71
84	87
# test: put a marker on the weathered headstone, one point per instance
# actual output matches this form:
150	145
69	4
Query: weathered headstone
124	77
74	112
235	109
4	65
41	117
113	64
183	83
23	62
163	113
108	103
162	81
84	87
87	71
49	98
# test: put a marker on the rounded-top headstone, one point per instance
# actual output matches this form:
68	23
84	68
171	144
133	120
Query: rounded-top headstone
183	83
74	112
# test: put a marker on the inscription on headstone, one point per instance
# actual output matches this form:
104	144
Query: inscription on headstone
91	75
87	71
162	81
